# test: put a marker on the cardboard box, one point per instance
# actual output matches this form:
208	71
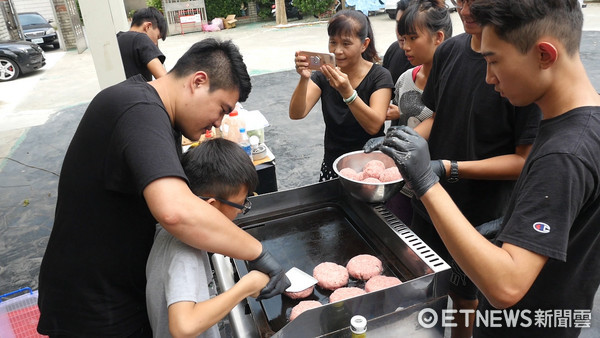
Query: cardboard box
230	21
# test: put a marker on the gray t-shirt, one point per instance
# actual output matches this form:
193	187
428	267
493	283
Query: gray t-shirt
175	272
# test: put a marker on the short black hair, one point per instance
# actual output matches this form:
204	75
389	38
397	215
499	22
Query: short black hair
219	168
153	16
402	5
522	22
223	63
432	15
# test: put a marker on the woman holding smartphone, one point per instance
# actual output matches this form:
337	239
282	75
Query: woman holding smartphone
354	95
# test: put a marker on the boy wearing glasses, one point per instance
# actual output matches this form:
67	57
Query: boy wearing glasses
177	290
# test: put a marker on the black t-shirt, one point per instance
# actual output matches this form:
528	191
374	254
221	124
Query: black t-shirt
555	211
342	132
137	49
473	122
395	61
92	278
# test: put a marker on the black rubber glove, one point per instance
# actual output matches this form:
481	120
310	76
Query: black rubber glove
375	143
437	166
278	282
411	154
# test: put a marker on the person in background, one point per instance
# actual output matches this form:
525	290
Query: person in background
394	59
139	45
424	25
121	176
354	95
542	268
478	141
178	275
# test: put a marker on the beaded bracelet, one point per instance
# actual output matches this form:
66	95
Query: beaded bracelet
351	99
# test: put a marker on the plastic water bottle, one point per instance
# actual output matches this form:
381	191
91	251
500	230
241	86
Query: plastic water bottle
245	142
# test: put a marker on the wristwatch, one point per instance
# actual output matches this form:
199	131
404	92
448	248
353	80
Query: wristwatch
453	172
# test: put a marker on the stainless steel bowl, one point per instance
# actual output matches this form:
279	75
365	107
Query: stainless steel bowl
366	192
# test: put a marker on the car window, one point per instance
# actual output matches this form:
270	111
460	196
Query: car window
31	19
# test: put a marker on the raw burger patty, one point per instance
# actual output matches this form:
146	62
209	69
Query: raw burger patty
390	174
349	173
300	294
303	306
330	275
364	267
343	293
381	282
373	168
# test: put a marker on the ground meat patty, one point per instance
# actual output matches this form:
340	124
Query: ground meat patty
330	275
344	293
303	306
390	174
349	173
381	282
364	267
373	168
300	294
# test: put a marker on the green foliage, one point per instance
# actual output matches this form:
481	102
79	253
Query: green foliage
222	8
313	7
264	9
156	4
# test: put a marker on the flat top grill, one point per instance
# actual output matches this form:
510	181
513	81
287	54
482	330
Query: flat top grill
307	239
320	223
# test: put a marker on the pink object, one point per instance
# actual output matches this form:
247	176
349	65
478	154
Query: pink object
330	275
345	293
390	174
360	176
300	294
349	173
303	306
381	282
364	267
373	168
371	180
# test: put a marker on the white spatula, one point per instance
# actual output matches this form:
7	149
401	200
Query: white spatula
300	280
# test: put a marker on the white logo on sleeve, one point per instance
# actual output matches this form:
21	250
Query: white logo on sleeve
541	227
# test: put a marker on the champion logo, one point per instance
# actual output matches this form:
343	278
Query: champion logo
541	227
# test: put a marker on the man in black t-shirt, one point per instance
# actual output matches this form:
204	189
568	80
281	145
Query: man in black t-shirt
479	141
121	175
139	45
542	269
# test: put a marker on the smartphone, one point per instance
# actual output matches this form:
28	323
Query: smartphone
316	60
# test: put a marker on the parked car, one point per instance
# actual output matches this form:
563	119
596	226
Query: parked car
390	7
19	57
37	29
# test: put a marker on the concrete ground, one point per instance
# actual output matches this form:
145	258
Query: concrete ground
40	111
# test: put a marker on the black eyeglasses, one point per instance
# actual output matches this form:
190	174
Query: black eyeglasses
244	208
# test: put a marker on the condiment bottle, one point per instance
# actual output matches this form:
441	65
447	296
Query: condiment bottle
231	127
245	142
358	326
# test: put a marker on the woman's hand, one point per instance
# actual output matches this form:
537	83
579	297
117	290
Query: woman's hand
393	112
302	65
338	80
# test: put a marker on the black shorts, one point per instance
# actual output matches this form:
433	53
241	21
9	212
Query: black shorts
460	284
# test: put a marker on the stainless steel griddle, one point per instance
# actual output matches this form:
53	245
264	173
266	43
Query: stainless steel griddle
306	226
